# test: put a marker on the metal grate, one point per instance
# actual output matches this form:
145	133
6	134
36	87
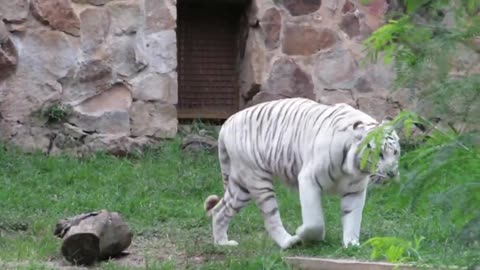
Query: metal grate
207	77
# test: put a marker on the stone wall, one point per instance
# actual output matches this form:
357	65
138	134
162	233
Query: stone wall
108	65
312	48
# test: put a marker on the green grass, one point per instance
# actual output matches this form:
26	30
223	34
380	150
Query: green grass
161	194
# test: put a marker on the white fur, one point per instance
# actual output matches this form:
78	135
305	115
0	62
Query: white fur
267	139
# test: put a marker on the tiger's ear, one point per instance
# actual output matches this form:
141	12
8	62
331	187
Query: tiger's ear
386	119
358	126
359	130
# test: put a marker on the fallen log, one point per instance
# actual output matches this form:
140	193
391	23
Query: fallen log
94	236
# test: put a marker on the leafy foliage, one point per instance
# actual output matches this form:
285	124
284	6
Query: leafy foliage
394	249
428	42
446	169
56	113
441	172
439	183
428	47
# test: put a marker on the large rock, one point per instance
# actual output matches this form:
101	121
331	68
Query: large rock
125	16
26	95
4	34
363	85
16	28
153	119
348	7
121	51
157	16
301	7
73	132
67	138
95	24
157	50
335	70
46	56
105	113
377	106
114	122
196	143
74	141
93	2
49	51
333	96
271	24
264	96
8	53
92	69
330	5
14	10
289	80
8	59
380	77
87	79
117	145
306	40
350	25
155	87
374	12
117	98
31	138
58	14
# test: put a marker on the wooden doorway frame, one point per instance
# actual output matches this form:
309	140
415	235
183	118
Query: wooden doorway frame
208	83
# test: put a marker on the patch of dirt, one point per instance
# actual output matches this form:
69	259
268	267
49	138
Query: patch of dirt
155	248
148	248
142	249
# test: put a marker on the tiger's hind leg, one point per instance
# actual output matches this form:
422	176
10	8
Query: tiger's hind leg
234	199
264	196
224	160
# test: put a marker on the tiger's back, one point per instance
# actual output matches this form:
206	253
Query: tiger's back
282	136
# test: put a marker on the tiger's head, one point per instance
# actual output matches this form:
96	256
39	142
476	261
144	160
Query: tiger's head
389	157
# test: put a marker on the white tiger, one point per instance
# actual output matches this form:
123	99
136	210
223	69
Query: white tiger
311	147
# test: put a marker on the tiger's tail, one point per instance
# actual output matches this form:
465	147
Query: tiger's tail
209	203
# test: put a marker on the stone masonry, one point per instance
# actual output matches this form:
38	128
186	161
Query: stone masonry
312	49
110	65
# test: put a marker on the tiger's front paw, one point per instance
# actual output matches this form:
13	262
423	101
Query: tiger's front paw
231	243
290	242
311	233
351	243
